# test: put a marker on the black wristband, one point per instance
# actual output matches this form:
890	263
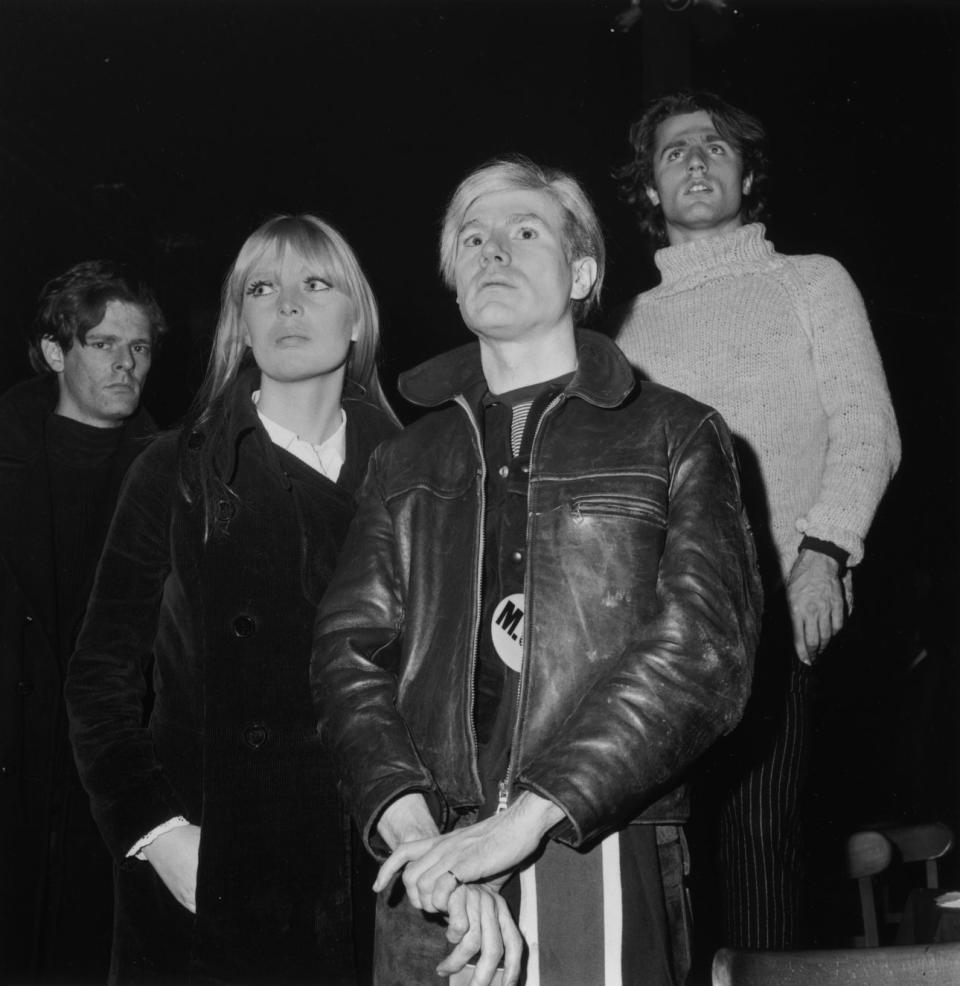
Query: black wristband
827	548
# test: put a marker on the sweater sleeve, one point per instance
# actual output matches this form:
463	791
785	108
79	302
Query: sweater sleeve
106	684
863	443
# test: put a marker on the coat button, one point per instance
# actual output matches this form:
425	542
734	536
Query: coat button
504	471
517	557
244	626
24	688
28	618
255	735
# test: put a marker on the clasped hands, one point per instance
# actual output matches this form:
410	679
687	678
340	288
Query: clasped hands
459	874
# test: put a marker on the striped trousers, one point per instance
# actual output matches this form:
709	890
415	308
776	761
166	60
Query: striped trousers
756	782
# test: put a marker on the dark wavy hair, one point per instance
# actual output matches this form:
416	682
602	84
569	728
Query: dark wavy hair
75	302
741	130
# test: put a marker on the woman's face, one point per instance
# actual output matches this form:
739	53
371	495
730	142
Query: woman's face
297	323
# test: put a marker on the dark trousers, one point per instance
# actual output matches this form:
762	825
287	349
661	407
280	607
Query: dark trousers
753	783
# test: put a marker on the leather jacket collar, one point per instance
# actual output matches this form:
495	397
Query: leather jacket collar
603	376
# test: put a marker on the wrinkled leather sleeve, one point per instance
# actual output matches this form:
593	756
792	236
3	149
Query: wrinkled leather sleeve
685	678
354	670
106	686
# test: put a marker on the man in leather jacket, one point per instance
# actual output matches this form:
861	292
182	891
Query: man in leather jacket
545	611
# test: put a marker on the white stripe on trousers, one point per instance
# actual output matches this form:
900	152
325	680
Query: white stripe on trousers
529	927
612	916
612	912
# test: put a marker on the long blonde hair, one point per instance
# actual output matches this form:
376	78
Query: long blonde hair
318	242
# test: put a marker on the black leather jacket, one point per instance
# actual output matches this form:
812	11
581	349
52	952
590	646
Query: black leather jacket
641	616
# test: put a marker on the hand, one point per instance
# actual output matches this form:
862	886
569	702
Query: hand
175	855
815	597
434	868
407	819
480	921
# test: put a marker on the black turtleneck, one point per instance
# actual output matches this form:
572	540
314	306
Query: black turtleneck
83	492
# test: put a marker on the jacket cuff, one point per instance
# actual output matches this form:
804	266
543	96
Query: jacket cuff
568	830
376	845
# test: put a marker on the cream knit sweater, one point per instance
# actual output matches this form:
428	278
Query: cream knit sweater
782	348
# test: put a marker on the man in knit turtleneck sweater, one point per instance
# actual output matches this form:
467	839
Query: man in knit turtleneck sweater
66	440
782	348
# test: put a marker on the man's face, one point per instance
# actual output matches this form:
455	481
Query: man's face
698	178
513	278
101	378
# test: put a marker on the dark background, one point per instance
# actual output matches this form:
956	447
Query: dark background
164	132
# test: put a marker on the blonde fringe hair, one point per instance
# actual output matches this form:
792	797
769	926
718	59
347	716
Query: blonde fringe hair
318	243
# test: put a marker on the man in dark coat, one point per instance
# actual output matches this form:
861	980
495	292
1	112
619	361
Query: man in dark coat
66	439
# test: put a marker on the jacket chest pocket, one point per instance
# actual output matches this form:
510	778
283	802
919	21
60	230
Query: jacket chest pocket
625	496
626	506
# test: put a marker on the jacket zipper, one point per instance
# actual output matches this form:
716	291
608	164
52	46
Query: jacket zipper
504	787
478	599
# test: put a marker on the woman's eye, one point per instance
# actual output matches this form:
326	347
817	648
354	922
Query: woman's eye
317	284
472	240
527	233
259	288
716	149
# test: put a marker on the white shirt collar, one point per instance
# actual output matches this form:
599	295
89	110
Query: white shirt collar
327	457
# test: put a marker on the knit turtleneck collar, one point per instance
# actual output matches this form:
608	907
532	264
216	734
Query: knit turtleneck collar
689	264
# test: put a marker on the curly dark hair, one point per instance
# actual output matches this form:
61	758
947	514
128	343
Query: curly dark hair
75	302
741	130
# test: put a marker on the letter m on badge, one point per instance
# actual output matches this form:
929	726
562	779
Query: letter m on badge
509	617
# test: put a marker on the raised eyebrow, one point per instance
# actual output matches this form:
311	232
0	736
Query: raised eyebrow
708	138
468	224
673	145
513	219
526	217
101	337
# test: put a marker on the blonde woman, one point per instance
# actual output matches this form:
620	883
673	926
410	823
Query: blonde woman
220	806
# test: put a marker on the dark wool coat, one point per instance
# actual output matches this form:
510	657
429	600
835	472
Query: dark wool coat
231	742
45	826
